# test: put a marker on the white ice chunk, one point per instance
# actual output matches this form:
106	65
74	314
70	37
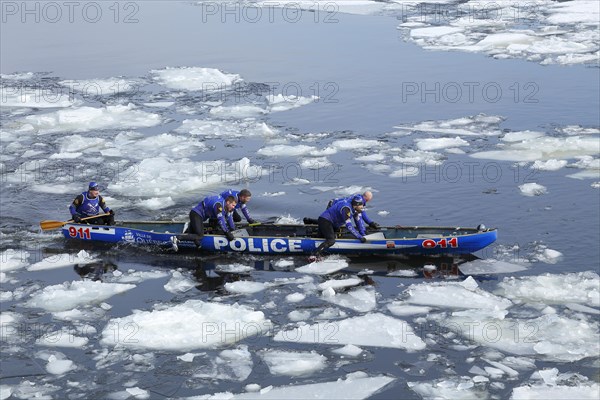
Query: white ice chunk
284	150
57	366
283	103
191	325
195	78
454	295
440	143
337	284
325	266
245	287
348	350
11	260
63	260
454	388
402	309
295	297
579	288
62	338
351	388
360	300
291	363
73	294
179	283
532	189
489	266
368	330
549	165
85	119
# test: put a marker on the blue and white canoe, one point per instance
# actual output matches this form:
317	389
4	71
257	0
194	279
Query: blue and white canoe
290	239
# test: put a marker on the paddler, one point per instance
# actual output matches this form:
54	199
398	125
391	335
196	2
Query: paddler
88	204
213	207
242	197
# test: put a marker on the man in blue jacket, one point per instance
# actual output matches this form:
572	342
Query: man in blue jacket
366	196
242	197
339	214
88	204
212	207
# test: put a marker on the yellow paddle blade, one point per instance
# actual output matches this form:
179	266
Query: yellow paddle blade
49	225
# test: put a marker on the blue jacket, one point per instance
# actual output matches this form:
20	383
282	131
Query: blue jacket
364	215
212	207
239	205
86	207
341	213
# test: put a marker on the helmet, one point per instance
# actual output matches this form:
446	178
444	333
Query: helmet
93	186
357	200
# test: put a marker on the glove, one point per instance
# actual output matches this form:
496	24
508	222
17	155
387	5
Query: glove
229	236
76	218
363	239
111	212
252	221
374	225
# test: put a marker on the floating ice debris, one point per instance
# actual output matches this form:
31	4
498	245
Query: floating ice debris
194	78
298	315
368	330
84	119
234	268
210	129
62	338
63	260
407	273
283	103
348	350
489	266
179	283
102	87
356	144
283	150
233	364
479	125
291	363
188	357
192	325
360	300
549	384
295	297
549	165
156	203
325	266
546	255
138	393
440	143
402	309
532	189
238	111
454	295
579	288
245	287
58	366
133	276
73	294
337	284
354	387
11	260
453	388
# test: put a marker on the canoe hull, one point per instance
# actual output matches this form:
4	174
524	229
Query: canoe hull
291	239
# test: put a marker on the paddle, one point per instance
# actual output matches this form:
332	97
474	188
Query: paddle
49	224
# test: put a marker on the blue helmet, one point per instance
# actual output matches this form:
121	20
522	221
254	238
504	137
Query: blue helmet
93	186
357	200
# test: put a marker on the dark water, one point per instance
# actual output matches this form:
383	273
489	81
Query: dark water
361	68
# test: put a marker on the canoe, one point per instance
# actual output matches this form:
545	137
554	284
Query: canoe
290	239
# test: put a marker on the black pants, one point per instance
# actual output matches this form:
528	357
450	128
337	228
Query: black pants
104	220
196	225
327	231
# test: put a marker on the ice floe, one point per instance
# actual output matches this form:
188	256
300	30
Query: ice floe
179	283
70	295
356	386
211	129
63	260
373	329
291	363
62	338
11	260
324	267
102	87
192	325
490	266
194	78
245	287
550	384
34	97
580	287
360	300
283	103
84	119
